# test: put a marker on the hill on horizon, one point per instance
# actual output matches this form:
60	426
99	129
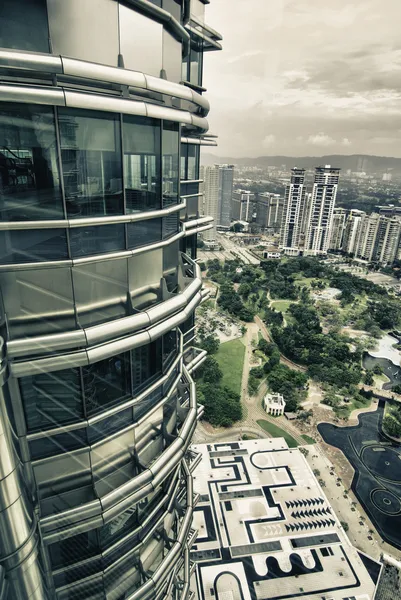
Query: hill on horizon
355	162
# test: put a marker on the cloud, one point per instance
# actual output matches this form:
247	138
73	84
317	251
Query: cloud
321	139
268	141
337	87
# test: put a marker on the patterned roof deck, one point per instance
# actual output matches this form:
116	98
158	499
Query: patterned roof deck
268	532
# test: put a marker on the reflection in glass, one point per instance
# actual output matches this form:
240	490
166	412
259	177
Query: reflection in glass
58	444
170	347
106	382
102	239
146	363
141	163
51	399
193	162
29	177
91	159
119	527
23	25
144	232
74	549
170	225
170	164
100	291
196	62
32	245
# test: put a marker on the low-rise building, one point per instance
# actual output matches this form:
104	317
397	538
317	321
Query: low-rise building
266	529
274	404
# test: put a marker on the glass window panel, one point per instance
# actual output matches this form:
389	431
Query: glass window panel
170	380
140	41
148	403
196	61
172	57
146	363
106	382
91	157
144	232
58	444
193	161
100	291
32	245
102	239
141	163
29	176
52	399
183	162
170	225
119	527
85	29
170	148
170	347
170	266
74	549
38	301
107	427
23	25
144	273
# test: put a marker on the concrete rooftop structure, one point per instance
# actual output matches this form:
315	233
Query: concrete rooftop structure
267	531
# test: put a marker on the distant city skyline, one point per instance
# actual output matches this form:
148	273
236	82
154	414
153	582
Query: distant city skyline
298	77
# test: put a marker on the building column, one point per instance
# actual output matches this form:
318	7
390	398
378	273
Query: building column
18	526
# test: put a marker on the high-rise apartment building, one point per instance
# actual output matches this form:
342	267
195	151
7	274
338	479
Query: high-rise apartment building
321	210
243	206
210	202
367	241
337	229
270	211
353	231
98	291
293	209
217	188
226	179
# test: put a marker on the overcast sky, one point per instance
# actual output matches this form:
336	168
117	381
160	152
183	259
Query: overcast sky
305	77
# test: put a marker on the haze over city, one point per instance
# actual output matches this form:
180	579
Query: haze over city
306	78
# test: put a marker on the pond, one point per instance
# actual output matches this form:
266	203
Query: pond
377	464
388	367
388	357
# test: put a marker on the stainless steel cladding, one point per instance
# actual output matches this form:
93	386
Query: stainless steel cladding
102	115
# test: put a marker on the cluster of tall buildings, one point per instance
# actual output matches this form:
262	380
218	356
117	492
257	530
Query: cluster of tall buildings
372	237
307	215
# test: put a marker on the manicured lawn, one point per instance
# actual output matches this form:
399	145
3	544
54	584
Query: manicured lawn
308	439
230	357
276	431
281	305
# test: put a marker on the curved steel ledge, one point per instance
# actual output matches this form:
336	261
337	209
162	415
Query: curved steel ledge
141	328
198	229
198	141
93	221
64	524
170	564
60	97
81	69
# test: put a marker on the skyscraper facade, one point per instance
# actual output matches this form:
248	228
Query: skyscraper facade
320	214
226	179
293	209
210	202
337	229
99	217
